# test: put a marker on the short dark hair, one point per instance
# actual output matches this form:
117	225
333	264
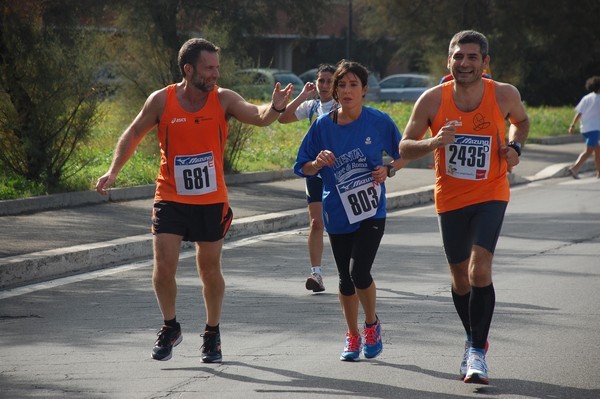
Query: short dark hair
470	36
190	51
344	67
593	84
325	68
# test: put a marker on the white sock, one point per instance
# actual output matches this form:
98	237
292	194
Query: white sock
316	269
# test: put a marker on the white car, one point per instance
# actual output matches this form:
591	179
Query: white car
404	87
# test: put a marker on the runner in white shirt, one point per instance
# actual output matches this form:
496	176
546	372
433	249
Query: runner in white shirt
588	113
306	106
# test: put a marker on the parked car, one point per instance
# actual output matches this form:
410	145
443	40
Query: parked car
404	87
373	90
258	83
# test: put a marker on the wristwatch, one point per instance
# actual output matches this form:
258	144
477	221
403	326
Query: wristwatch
391	170
516	146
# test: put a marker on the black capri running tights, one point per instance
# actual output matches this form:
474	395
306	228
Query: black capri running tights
354	254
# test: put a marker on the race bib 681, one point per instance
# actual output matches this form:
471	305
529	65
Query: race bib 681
195	174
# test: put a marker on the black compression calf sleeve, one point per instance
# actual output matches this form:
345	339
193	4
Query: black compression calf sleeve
481	310
461	303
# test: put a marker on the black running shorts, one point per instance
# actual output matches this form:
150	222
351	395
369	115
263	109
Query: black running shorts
354	254
193	222
314	189
477	224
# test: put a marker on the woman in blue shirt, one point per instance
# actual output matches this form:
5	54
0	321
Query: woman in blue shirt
346	148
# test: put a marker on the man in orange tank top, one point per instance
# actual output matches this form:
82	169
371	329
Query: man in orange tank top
466	117
191	200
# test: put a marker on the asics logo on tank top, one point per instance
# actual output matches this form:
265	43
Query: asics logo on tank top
178	120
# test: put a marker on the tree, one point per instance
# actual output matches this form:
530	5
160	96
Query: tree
47	101
552	48
150	32
529	39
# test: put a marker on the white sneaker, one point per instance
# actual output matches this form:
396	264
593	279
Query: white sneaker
314	283
465	359
477	371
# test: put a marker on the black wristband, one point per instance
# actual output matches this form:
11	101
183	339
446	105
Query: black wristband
516	146
391	171
278	110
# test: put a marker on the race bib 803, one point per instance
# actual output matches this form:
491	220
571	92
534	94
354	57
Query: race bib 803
360	197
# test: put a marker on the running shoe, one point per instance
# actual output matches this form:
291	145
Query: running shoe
314	283
211	348
352	348
463	364
373	343
477	371
573	174
168	337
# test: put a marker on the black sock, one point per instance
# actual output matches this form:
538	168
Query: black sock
461	303
481	310
374	324
172	322
211	329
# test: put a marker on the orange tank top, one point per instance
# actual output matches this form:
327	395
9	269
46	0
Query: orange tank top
192	146
470	170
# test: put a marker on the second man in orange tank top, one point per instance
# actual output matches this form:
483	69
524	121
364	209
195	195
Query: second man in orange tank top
466	117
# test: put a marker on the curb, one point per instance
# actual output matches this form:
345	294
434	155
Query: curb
25	269
559	170
34	267
80	198
556	140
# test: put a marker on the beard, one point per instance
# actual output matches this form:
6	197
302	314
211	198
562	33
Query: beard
203	85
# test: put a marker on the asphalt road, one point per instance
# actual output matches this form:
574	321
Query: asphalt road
89	336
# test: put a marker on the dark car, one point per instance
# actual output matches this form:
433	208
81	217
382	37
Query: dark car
373	91
258	83
404	86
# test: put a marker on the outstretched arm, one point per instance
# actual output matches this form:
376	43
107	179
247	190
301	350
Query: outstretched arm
259	115
289	115
131	137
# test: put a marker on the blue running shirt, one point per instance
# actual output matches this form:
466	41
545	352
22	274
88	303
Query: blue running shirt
350	194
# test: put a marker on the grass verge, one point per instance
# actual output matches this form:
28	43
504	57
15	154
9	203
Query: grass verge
270	148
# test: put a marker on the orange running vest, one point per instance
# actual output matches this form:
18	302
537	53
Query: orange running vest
470	170
192	146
